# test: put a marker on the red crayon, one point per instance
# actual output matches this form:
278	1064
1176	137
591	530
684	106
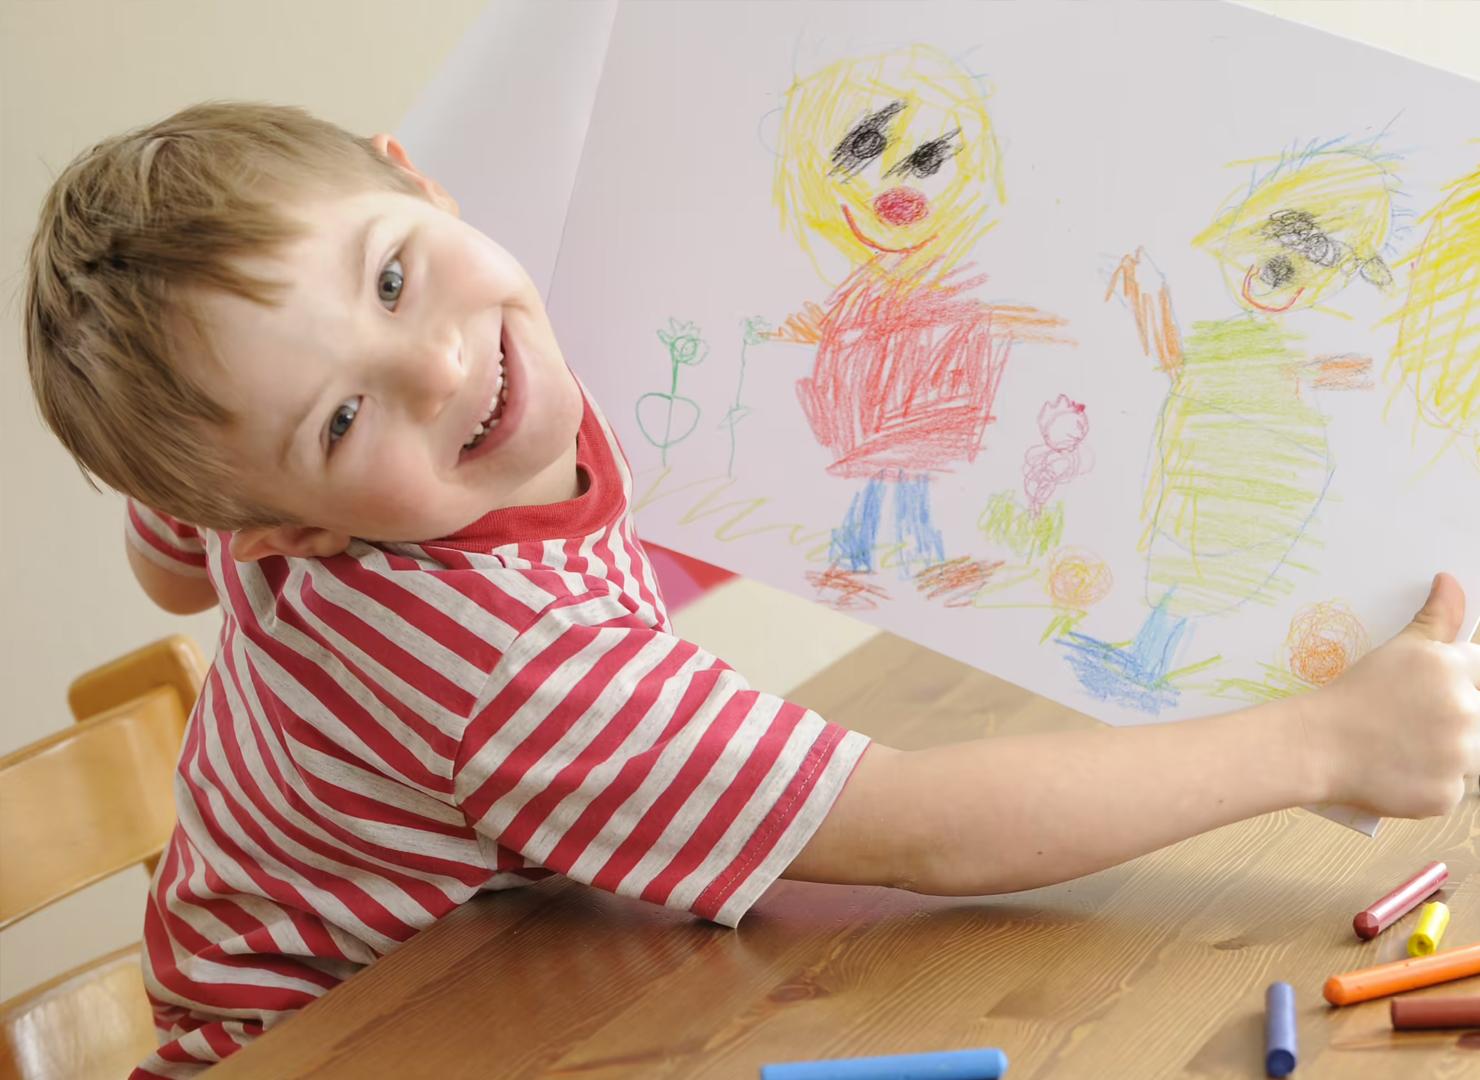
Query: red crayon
1407	896
1434	1012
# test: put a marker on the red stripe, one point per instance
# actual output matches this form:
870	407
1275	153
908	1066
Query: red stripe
696	767
353	803
707	834
365	907
184	556
597	752
552	727
335	701
712	899
489	722
408	609
249	792
630	776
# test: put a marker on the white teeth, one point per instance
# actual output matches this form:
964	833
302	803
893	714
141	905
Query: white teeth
489	422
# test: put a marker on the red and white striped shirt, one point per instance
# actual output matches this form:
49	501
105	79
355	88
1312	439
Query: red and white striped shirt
385	733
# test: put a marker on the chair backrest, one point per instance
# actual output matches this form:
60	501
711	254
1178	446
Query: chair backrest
76	807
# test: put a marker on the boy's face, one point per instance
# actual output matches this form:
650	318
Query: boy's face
402	328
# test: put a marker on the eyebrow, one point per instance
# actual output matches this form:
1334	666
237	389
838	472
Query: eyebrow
358	254
357	258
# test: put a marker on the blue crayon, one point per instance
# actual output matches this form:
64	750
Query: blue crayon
985	1064
1279	1029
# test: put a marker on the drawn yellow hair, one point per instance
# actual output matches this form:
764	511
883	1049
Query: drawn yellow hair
1438	348
891	105
1313	224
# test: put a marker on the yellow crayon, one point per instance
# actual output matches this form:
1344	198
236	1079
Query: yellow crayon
1432	921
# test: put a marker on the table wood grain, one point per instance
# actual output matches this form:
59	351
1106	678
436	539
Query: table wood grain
1154	968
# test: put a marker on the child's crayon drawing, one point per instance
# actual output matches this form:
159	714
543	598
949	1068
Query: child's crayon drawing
1072	357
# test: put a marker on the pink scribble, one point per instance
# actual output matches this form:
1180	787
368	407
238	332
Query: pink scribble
1057	460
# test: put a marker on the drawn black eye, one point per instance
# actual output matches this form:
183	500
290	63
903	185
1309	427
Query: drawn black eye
929	157
1277	271
865	142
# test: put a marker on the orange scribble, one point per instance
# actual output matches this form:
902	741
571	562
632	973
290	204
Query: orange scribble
1324	640
1346	371
803	328
1078	579
1155	320
850	591
957	579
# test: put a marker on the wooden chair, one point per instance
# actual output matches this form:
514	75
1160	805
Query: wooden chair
76	807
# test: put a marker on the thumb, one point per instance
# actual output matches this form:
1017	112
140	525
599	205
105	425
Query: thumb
1440	617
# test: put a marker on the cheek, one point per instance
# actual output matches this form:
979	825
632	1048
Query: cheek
389	483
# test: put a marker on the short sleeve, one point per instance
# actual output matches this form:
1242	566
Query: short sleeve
631	760
165	541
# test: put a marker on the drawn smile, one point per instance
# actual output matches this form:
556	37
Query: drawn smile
1265	307
867	241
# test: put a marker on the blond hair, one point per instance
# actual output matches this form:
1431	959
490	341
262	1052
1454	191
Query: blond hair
128	230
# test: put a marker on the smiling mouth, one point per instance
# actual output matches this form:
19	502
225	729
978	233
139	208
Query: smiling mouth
869	242
484	427
1249	277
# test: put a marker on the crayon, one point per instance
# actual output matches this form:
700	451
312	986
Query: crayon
1392	907
983	1064
1279	1029
1400	975
1408	1013
1432	921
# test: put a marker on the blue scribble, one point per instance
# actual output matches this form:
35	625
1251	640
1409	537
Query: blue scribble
919	541
852	545
1133	675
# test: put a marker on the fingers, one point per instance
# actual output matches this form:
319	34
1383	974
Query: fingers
1440	617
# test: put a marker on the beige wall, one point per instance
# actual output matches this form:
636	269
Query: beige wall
73	71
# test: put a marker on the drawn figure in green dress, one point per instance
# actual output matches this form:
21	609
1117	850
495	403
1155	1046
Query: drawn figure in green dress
1239	463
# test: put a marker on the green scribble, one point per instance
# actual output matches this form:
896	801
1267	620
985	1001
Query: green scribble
1278	683
685	348
753	331
1240	466
741	517
1007	522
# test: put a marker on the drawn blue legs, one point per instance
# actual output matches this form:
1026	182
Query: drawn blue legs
1133	675
853	543
920	542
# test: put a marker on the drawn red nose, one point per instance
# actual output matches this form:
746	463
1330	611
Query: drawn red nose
901	206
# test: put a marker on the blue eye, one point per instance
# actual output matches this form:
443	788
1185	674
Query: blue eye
392	280
335	432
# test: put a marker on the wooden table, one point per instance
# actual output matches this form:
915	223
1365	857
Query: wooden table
1154	968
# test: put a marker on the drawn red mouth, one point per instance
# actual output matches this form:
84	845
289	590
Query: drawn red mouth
869	242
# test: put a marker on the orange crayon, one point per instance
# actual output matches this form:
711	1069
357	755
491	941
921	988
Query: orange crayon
1367	983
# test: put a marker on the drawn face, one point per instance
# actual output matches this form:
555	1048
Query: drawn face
888	155
1305	232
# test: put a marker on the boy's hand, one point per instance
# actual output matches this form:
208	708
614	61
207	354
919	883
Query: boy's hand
1399	730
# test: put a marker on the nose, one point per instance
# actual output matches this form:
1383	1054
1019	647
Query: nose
900	206
427	375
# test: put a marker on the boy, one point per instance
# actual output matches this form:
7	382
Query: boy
444	664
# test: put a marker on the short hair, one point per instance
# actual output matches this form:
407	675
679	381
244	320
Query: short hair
127	234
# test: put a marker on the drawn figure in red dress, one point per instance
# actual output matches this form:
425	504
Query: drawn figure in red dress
891	162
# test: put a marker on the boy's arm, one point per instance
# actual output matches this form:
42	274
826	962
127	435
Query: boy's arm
1395	734
176	593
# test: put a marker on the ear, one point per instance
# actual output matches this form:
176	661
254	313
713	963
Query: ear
260	541
389	147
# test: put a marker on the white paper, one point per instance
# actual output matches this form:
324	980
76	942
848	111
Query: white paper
502	124
1151	157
